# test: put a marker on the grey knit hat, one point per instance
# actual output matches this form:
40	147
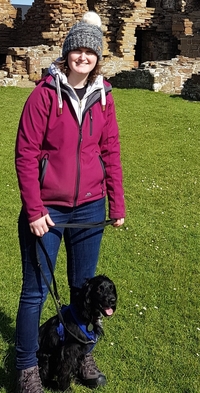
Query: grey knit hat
86	34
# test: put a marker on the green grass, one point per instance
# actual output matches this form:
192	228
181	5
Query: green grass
152	343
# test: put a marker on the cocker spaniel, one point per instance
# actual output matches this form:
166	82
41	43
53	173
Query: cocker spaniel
62	346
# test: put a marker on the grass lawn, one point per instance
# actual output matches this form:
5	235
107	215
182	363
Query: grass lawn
152	343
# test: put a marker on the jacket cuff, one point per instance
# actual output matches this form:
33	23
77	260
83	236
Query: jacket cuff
38	216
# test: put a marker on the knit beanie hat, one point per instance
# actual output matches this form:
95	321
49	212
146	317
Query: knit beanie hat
86	34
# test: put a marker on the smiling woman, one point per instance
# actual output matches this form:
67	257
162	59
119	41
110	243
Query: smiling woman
68	138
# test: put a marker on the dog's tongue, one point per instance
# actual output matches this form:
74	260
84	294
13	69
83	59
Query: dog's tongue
109	311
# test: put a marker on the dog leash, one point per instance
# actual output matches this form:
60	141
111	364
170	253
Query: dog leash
86	224
54	293
65	225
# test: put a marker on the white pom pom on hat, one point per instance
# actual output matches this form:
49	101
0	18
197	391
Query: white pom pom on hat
92	18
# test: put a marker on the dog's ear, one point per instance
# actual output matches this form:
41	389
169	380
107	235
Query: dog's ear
87	287
85	300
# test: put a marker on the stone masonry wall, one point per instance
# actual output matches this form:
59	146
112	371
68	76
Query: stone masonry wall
30	63
8	15
136	32
170	76
54	19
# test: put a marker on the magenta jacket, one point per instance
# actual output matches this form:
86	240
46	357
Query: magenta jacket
60	161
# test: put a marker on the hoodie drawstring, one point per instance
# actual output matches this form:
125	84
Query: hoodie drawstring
60	102
103	99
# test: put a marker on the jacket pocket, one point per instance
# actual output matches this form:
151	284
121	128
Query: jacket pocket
43	168
103	168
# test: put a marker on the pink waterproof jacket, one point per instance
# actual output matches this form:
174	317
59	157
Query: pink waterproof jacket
62	161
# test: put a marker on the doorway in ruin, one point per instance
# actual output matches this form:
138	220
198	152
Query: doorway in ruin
143	50
138	47
153	46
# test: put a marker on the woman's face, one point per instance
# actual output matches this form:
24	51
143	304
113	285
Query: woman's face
82	61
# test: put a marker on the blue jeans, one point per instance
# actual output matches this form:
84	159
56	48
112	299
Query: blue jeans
82	249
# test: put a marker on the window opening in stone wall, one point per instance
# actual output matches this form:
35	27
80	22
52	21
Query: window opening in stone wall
138	46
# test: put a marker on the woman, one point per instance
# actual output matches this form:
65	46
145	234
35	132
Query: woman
67	161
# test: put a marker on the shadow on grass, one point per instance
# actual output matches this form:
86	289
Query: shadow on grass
7	371
182	97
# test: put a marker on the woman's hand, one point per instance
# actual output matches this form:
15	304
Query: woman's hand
40	226
118	222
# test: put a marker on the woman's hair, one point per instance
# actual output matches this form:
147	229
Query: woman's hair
63	66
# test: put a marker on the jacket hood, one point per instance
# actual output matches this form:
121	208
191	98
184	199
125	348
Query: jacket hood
61	78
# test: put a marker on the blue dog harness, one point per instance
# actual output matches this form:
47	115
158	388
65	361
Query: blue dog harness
91	336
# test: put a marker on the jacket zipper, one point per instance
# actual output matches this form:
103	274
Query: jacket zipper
79	146
79	109
78	158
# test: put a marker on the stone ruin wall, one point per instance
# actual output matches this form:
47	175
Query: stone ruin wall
178	76
8	15
136	33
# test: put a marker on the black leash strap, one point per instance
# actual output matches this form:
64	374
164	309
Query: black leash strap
86	224
67	225
54	294
50	266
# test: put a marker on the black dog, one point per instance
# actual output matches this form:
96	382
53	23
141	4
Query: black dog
62	346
